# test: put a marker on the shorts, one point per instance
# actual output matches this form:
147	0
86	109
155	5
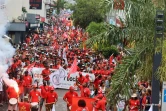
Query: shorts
12	107
41	102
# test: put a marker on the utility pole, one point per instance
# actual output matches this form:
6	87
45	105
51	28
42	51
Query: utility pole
157	57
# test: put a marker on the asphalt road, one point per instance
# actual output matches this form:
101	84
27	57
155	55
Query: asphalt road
60	106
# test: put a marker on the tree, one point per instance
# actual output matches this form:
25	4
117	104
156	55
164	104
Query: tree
86	11
139	28
24	10
59	5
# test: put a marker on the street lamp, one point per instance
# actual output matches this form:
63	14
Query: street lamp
159	33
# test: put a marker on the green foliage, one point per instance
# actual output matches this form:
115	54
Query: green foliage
95	28
24	10
139	28
86	11
60	4
108	51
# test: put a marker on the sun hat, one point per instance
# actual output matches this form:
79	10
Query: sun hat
134	95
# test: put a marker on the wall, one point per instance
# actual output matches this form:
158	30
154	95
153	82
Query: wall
14	9
42	12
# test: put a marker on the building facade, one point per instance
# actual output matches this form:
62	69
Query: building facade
14	8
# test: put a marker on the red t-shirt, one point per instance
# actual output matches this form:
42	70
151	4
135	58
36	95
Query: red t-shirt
24	106
134	105
51	97
86	80
101	105
81	90
81	79
21	86
143	100
34	96
28	80
86	92
69	97
14	66
46	73
44	91
18	62
11	92
96	83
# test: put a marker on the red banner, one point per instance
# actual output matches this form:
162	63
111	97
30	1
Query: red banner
88	102
119	4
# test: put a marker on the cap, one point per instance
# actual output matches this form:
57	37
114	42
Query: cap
100	96
71	88
87	75
52	88
134	95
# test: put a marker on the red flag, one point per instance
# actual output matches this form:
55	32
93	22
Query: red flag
54	45
29	67
73	68
119	22
111	58
119	4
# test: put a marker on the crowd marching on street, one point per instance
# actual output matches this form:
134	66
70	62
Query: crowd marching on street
59	45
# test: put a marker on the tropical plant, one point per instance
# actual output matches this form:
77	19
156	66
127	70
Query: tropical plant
24	10
59	4
86	11
139	29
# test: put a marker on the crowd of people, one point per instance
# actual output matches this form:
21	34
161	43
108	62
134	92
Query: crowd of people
56	46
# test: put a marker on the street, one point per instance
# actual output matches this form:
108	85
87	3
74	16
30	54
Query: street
60	106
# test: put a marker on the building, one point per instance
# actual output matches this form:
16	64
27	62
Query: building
14	7
16	17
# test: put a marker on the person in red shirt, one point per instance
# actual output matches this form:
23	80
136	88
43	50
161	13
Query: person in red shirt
51	99
87	79
21	83
85	91
68	97
45	73
34	97
81	78
44	90
24	106
97	82
12	94
100	103
28	82
82	105
134	103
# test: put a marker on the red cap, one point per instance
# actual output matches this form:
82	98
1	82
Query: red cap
87	75
100	96
71	88
52	88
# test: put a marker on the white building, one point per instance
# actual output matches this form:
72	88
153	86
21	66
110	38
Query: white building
14	8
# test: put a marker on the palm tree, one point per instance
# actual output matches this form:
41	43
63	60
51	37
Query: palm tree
139	28
59	5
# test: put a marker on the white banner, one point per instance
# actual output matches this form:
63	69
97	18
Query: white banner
58	77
